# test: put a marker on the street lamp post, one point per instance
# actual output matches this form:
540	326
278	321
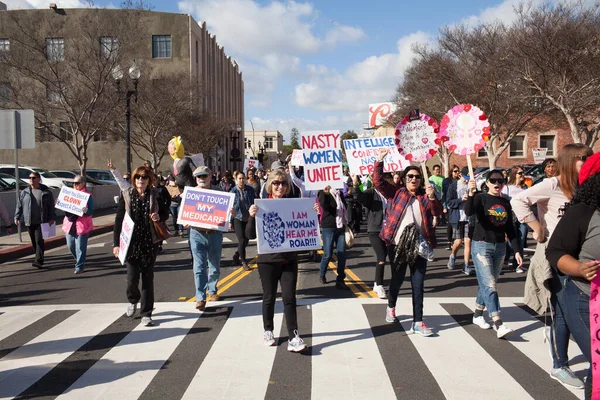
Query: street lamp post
134	74
235	151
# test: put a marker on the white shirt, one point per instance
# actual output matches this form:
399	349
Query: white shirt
411	214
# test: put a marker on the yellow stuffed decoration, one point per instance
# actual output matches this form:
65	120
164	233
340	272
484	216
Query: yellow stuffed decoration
176	148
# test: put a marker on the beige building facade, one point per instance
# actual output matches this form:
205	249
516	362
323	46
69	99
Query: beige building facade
267	142
170	44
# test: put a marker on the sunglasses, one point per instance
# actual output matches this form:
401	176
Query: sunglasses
411	176
279	183
520	173
77	183
33	177
583	158
456	171
144	177
499	181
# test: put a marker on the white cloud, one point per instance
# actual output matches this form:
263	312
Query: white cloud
371	80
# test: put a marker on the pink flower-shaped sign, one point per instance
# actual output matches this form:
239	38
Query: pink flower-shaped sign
418	140
467	129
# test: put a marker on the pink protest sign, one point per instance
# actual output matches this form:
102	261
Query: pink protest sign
418	140
467	129
595	337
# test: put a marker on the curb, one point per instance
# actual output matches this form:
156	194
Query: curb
56	241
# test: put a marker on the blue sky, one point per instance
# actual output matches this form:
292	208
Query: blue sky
317	65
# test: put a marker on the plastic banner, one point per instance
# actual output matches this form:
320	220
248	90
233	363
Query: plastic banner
322	156
362	153
284	225
71	200
205	208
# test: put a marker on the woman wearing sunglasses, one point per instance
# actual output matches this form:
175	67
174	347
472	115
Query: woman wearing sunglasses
550	196
493	222
77	229
515	185
410	202
279	268
142	205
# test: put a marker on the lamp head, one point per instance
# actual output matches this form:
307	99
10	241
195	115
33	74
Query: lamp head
117	73
134	71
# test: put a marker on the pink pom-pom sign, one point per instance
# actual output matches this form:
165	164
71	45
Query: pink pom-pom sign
467	129
418	140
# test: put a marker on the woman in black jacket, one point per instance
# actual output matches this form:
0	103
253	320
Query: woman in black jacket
142	204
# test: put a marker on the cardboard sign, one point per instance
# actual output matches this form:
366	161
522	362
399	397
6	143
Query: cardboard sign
71	200
205	208
539	154
297	160
418	140
362	153
322	156
284	225
125	237
251	163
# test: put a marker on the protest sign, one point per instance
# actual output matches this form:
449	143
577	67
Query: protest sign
71	200
362	153
539	154
251	163
48	230
594	306
467	129
198	159
297	160
418	140
125	237
322	156
286	225
205	208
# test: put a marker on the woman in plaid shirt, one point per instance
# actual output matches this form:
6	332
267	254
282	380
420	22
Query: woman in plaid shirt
410	201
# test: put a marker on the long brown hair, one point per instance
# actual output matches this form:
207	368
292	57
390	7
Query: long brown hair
512	176
567	172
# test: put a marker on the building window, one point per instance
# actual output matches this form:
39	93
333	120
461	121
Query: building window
482	153
268	143
55	49
64	131
196	52
517	146
4	47
161	46
547	141
6	92
248	144
109	45
101	136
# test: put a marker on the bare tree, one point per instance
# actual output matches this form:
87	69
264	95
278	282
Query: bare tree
206	133
555	50
60	66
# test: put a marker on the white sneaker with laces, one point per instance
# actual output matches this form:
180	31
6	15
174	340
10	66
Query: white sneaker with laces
131	309
296	345
269	338
480	322
380	291
147	321
502	331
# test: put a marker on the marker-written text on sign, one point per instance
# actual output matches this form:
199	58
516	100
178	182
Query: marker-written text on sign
362	153
322	158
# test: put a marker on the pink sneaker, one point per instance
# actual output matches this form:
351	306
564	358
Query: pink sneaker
390	314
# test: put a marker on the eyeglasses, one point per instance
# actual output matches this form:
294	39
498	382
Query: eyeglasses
77	183
279	183
144	177
201	176
583	158
411	176
499	181
520	173
33	177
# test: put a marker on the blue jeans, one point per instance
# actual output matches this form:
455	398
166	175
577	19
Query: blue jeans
331	236
575	306
77	244
206	251
488	258
560	331
521	230
174	208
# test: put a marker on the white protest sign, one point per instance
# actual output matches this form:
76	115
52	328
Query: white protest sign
362	153
322	160
48	230
205	208
71	200
284	225
297	160
251	163
198	159
125	237
539	154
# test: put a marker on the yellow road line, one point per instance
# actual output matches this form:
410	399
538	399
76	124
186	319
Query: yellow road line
357	281
240	271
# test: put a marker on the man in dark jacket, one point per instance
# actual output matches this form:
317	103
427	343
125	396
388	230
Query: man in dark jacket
36	206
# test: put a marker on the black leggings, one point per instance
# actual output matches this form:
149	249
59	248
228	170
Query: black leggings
270	275
449	233
240	231
134	269
381	253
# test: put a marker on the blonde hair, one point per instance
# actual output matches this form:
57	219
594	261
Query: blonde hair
273	175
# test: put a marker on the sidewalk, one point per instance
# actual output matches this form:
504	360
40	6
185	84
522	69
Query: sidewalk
11	248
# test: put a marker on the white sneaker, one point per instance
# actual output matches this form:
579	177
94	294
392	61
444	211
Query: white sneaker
269	338
421	329
480	322
131	309
390	315
380	291
502	331
296	345
147	321
520	270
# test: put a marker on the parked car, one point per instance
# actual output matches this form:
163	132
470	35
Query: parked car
90	182
48	178
7	182
102	175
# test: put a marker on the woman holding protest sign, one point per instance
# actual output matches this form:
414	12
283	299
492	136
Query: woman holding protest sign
409	235
141	203
244	198
77	228
279	268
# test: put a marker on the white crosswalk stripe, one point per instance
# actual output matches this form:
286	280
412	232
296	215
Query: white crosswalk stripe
347	360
